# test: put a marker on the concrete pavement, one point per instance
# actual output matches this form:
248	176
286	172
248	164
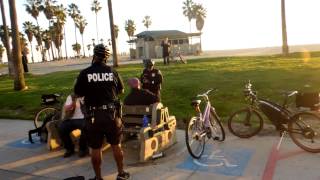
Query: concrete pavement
240	159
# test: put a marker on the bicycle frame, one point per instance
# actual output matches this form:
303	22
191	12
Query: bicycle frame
205	116
276	113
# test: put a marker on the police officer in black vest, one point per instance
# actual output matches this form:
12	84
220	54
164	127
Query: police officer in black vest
100	85
151	78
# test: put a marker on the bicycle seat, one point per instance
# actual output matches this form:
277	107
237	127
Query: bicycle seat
195	102
49	99
289	93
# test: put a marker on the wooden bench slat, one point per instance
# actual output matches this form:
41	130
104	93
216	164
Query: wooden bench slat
137	110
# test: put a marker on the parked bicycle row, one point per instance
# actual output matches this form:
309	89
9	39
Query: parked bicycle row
302	126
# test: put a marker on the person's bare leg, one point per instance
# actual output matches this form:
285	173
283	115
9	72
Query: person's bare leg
96	158
118	157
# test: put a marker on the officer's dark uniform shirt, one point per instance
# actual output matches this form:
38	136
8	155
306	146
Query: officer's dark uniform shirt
140	97
99	84
152	80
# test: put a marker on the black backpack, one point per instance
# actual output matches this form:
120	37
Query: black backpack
42	130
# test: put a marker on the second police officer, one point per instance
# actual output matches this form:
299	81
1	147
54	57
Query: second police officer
151	78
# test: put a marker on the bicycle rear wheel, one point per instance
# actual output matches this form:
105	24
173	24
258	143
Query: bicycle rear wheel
218	133
245	123
195	137
45	114
304	130
182	59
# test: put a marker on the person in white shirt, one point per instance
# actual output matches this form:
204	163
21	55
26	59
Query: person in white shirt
73	119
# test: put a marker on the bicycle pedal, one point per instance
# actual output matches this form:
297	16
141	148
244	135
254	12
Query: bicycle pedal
216	138
209	135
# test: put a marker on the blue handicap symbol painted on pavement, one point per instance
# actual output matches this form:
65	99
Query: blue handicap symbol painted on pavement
24	143
229	162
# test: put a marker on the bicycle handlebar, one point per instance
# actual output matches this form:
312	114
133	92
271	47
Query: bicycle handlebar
207	93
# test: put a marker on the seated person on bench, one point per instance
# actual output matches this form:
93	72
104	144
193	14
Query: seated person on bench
139	96
73	119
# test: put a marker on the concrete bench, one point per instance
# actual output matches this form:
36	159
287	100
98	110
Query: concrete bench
155	138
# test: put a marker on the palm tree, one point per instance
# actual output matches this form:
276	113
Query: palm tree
5	39
130	27
19	82
74	13
60	14
96	8
2	34
1	53
285	48
200	14
147	22
188	11
116	31
89	48
46	37
48	10
33	8
57	35
58	27
76	47
38	35
29	30
23	43
81	24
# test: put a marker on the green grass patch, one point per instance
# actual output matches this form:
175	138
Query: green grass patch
270	75
3	65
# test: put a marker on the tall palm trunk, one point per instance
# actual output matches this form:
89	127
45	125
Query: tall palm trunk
65	42
19	83
32	57
49	55
6	40
59	53
190	43
51	43
190	26
285	48
200	42
84	53
97	28
75	32
41	47
113	38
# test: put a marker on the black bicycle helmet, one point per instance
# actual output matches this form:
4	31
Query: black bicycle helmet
101	51
148	62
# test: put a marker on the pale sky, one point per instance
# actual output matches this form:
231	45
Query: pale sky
230	24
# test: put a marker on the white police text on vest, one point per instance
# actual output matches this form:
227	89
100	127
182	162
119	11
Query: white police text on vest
100	77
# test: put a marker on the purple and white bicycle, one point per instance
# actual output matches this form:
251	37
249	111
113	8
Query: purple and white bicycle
205	124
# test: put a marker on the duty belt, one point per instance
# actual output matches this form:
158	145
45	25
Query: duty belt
110	106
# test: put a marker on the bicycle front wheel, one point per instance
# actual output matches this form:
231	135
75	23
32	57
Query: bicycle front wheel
43	115
245	123
304	130
218	133
195	137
